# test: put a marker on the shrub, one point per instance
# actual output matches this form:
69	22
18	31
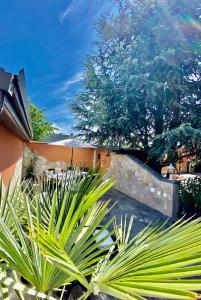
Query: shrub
190	193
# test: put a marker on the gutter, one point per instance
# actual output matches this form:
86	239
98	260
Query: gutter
10	117
17	126
1	100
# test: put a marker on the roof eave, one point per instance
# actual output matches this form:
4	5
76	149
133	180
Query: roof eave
14	112
11	121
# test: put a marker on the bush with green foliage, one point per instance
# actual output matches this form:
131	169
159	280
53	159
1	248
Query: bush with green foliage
40	126
190	192
197	166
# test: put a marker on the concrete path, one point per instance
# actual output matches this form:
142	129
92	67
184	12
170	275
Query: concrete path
143	215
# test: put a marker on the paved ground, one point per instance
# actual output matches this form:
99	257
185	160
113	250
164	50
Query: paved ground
143	215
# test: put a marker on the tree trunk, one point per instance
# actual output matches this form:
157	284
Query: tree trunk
158	117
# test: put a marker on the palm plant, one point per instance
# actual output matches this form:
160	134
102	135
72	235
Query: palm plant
158	262
71	215
64	246
14	198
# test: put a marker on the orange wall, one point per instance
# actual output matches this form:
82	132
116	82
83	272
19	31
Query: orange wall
11	150
103	158
52	152
81	156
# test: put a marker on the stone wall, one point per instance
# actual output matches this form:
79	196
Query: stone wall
139	181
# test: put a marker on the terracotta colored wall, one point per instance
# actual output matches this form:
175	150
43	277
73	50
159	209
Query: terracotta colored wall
81	156
52	152
11	152
103	158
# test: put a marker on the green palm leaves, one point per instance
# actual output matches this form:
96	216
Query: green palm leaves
70	213
156	263
56	235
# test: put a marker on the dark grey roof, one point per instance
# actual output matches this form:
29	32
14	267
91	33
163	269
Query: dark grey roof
73	142
67	140
14	111
56	137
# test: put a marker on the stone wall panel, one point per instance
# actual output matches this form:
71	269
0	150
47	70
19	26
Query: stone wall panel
139	181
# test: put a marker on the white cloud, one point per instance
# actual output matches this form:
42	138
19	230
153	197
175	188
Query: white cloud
64	86
69	9
63	127
95	8
57	112
47	78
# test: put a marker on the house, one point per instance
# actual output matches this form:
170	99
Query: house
16	136
15	125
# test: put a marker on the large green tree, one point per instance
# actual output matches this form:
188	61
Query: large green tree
143	78
41	128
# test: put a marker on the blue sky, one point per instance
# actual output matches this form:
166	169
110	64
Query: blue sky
49	39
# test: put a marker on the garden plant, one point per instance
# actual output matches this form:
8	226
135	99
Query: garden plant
190	193
52	239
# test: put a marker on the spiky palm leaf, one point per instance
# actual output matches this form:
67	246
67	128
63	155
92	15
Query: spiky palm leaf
73	223
156	263
73	183
123	231
14	197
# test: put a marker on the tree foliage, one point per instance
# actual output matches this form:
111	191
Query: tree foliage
143	78
170	144
41	127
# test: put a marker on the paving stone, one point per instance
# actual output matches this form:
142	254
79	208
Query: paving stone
143	214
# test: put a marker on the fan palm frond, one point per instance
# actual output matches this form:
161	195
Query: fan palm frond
72	222
156	263
159	262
